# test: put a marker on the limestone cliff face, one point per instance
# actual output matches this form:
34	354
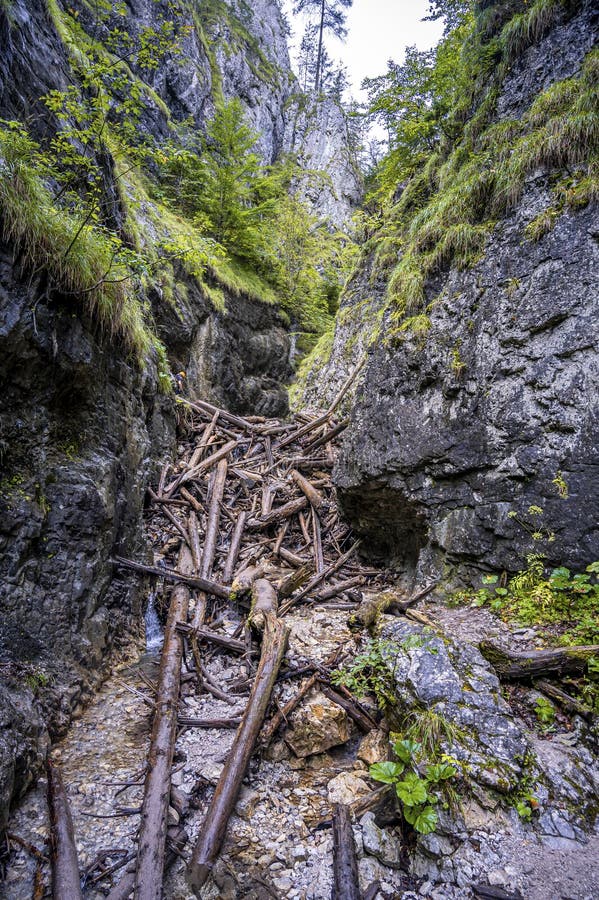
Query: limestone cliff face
82	427
493	409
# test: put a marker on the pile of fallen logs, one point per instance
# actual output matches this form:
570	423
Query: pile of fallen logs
249	509
248	525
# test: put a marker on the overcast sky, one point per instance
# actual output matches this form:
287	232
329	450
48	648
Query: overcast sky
378	30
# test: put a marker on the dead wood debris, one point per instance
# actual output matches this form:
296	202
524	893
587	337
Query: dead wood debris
251	510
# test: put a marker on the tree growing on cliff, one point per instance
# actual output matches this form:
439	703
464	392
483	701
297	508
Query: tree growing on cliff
331	16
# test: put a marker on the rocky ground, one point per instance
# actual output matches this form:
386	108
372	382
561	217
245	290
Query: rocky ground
279	842
275	846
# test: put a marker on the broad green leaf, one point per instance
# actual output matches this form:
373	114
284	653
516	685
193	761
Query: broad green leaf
412	790
426	821
440	772
406	750
387	772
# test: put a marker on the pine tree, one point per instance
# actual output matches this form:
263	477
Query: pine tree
331	17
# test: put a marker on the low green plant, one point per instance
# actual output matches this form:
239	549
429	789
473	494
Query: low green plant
417	786
35	678
536	596
368	674
545	711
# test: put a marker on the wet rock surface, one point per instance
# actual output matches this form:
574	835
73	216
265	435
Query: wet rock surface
452	432
436	677
274	847
435	460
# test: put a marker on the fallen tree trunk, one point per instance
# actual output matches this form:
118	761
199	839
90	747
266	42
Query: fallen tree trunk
307	489
318	579
213	830
346	883
177	838
277	515
63	852
570	703
210	538
203	584
519	666
362	719
235	547
154	812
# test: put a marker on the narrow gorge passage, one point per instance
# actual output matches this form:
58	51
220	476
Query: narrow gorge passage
252	499
250	502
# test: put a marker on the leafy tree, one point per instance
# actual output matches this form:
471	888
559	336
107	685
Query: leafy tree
453	12
418	103
222	184
331	17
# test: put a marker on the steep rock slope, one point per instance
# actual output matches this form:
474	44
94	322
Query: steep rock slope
484	403
83	425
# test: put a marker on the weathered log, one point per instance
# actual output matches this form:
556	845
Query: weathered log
203	584
195	546
213	830
264	601
422	619
157	788
370	610
280	537
317	542
346	882
190	722
570	703
285	711
277	515
318	579
362	719
304	529
177	838
63	852
197	506
327	437
203	442
531	664
177	525
202	467
235	547
243	581
222	640
315	497
205	407
294	581
335	589
293	559
403	605
210	537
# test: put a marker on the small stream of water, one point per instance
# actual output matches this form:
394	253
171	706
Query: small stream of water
154	634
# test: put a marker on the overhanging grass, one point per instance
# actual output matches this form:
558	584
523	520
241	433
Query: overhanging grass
447	211
80	259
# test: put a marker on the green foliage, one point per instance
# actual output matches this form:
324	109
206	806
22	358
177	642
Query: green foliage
368	674
537	597
83	260
249	209
544	711
416	784
459	170
331	17
35	678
